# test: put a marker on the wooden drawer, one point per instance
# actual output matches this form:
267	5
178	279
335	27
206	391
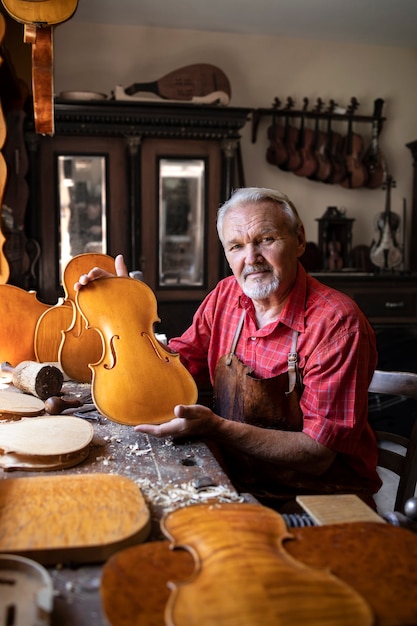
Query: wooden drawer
388	305
385	300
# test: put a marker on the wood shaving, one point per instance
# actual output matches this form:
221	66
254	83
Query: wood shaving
170	496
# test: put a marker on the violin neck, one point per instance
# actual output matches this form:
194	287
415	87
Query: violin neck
388	196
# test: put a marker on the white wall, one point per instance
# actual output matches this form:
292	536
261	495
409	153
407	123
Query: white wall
99	57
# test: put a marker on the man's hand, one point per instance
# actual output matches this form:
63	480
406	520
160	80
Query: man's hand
97	272
193	420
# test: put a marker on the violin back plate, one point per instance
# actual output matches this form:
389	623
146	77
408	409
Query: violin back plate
244	575
78	517
358	553
137	380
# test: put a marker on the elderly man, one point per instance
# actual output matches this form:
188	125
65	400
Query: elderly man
290	360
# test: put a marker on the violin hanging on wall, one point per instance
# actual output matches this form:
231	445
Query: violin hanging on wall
40	19
356	175
325	156
386	252
374	160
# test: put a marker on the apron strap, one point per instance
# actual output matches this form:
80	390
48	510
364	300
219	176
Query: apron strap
292	358
292	364
236	338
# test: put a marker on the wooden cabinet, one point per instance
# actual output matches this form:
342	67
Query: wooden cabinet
387	300
131	143
412	146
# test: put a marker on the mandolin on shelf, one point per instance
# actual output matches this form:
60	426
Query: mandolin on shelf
186	83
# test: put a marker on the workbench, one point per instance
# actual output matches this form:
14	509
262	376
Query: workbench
169	473
173	474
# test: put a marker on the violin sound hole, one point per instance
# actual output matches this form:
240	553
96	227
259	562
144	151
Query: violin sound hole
113	353
154	346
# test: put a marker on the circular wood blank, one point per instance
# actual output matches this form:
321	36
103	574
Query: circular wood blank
12	403
46	436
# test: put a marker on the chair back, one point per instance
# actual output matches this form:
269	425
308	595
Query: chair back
404	465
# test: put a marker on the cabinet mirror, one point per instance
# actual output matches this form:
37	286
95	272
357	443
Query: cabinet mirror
82	206
181	222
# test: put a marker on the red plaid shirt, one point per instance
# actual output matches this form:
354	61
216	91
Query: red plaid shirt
336	356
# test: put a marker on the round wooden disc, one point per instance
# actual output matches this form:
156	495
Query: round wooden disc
20	404
51	435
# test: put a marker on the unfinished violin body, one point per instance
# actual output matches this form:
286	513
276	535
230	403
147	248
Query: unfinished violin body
136	379
243	575
60	333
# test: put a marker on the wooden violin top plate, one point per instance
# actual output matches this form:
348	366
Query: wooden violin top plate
16	403
79	346
244	575
48	332
136	380
79	518
49	435
19	313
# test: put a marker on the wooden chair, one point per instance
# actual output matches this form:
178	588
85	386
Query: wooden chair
404	465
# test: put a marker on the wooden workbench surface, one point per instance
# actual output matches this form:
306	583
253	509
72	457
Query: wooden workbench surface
170	474
174	474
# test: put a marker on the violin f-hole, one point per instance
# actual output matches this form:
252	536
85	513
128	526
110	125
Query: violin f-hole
113	353
149	338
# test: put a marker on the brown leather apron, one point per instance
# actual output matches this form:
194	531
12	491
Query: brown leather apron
269	403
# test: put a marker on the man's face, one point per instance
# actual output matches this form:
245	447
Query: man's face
261	249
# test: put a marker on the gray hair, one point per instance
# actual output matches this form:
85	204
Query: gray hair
250	195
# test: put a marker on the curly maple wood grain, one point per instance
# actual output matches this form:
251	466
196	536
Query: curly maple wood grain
376	560
79	518
244	575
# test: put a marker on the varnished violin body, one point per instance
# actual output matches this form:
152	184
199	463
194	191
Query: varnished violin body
61	334
136	380
385	251
19	314
305	147
356	174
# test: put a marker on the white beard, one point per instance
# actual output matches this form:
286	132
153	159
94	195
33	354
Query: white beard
261	290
